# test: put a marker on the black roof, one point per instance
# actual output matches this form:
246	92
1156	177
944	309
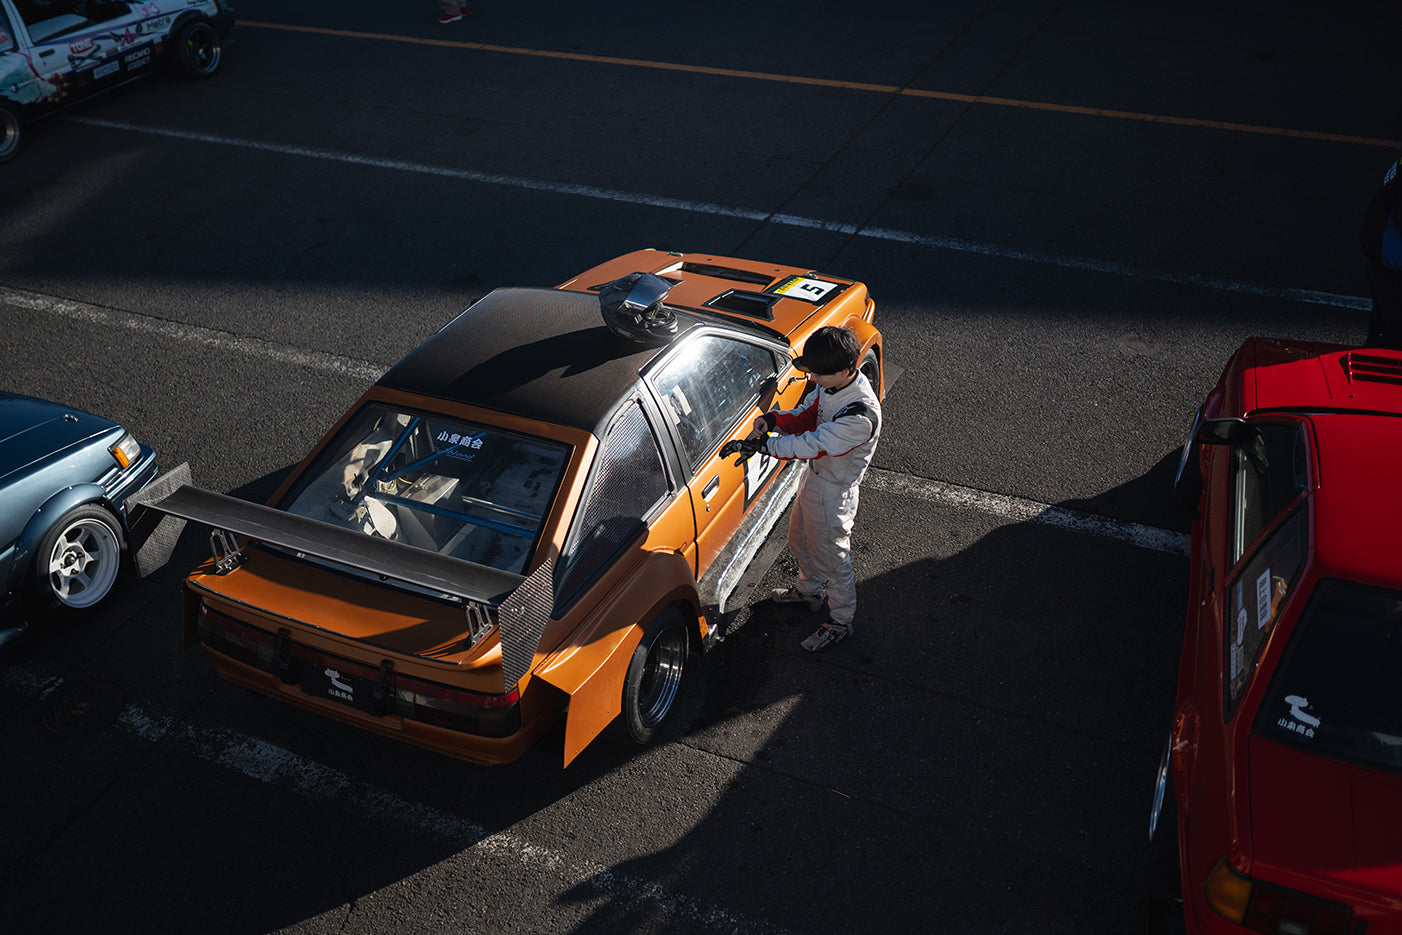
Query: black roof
544	354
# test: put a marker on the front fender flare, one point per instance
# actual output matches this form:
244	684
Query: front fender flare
43	520
591	666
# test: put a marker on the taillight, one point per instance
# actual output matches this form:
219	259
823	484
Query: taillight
433	692
1264	907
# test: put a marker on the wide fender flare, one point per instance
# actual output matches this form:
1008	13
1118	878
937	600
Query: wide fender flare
52	510
591	667
869	337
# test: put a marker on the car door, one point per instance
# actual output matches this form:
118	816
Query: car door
709	388
1255	538
79	49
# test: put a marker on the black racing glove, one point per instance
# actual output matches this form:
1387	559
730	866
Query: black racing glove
744	447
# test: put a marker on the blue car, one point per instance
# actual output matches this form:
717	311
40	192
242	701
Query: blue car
64	475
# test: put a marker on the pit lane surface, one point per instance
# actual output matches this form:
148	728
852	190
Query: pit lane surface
1069	214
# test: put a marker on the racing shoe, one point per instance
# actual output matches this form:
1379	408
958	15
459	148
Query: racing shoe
792	595
452	17
827	635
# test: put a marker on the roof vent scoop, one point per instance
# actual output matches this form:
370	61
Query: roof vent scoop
632	308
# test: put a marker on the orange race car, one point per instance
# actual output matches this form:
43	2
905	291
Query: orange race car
527	517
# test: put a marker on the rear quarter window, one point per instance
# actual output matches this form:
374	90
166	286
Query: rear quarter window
1255	600
628	483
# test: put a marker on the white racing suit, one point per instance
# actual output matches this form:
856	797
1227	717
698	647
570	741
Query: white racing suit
835	432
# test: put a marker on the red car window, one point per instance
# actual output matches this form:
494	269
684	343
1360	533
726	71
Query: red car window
1338	689
1268	474
1256	597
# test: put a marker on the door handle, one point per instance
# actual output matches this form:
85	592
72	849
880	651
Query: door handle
711	487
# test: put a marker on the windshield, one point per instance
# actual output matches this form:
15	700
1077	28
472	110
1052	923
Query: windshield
460	489
1338	690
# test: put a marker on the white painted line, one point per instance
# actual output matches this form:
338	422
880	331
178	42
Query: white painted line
268	763
1025	511
952	495
191	334
1308	296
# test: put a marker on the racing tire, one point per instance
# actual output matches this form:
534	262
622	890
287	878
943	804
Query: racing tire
654	677
11	130
198	49
871	369
77	564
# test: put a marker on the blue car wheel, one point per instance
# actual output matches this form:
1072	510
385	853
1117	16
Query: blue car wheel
78	562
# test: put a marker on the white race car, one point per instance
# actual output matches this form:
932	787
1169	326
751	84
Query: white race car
56	52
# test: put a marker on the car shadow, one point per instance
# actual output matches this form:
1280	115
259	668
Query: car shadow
980	750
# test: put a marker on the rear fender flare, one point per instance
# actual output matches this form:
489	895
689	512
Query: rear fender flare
590	668
43	520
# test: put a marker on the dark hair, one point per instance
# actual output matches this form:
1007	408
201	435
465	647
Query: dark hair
830	350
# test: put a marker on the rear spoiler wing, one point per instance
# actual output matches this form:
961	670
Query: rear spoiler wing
157	514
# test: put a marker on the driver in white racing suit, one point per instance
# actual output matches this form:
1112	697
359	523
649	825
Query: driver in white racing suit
835	430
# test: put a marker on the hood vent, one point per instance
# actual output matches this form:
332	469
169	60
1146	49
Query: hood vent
1373	368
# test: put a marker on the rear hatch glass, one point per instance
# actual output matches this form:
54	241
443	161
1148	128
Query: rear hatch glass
468	491
1338	689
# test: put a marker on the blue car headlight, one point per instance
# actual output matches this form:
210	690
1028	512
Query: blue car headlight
127	450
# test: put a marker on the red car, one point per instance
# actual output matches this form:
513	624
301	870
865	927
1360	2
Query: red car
1284	762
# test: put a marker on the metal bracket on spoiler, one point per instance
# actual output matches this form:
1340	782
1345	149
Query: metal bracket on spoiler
157	514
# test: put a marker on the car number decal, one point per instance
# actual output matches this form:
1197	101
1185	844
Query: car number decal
809	290
758	468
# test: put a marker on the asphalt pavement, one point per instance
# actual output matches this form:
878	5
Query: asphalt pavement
1069	214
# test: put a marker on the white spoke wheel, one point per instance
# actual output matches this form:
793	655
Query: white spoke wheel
654	677
78	561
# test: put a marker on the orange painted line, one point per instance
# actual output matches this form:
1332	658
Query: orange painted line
847	85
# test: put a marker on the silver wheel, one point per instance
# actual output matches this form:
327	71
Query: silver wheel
83	563
1160	790
76	564
654	676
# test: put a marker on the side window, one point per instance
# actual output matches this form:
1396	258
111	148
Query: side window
1268	473
7	33
1255	599
48	19
708	385
628	482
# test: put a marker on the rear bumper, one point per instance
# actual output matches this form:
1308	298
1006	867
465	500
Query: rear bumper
376	700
